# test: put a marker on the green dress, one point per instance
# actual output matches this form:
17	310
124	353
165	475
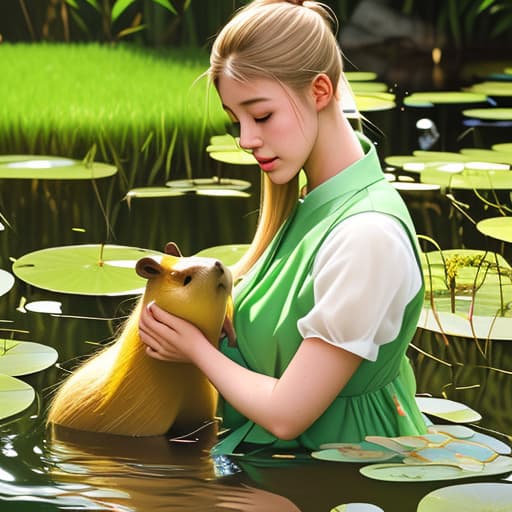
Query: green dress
379	398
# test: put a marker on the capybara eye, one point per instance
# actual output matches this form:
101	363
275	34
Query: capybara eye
187	280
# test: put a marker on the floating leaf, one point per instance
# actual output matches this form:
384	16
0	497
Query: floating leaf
504	146
84	269
477	497
360	76
357	507
25	357
235	156
153	192
433	472
52	168
199	184
228	254
366	87
428	99
496	114
6	281
497	227
469	179
491	88
449	410
15	396
373	103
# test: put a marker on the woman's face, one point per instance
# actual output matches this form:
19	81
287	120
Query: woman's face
278	125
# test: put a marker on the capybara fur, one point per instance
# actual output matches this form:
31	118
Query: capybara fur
121	390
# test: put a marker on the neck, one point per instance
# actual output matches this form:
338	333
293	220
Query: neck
336	147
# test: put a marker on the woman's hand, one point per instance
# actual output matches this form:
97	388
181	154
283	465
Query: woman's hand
168	337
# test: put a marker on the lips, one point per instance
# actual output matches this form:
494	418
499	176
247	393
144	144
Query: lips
266	164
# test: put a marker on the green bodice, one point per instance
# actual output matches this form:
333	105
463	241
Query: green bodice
379	398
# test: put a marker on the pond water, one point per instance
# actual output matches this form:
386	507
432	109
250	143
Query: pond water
66	470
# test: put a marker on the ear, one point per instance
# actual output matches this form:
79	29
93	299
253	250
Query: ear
322	91
148	267
172	249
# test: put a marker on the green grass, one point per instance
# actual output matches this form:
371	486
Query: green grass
139	109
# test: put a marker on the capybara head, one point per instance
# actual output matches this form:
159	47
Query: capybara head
194	288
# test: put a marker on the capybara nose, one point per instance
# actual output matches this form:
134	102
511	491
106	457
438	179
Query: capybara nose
220	266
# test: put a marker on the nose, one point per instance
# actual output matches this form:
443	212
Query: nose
249	137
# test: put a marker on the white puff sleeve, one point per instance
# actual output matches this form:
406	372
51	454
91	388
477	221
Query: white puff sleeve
365	274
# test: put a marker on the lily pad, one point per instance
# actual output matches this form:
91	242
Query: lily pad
25	357
357	507
496	114
199	184
15	396
503	146
497	227
52	168
477	497
360	76
433	472
492	88
228	254
6	281
365	87
153	192
469	179
488	155
373	103
448	410
235	156
84	269
429	99
497	328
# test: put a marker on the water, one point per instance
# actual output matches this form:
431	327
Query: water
43	470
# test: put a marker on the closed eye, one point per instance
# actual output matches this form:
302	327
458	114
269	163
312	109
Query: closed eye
262	119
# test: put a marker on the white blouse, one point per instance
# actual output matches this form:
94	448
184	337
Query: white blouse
365	274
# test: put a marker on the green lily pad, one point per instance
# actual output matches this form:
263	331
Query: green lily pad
373	103
469	179
496	114
15	396
449	410
491	88
504	146
365	87
488	155
429	99
198	184
52	168
433	472
474	497
360	76
84	269
497	227
228	254
25	357
235	156
153	192
6	282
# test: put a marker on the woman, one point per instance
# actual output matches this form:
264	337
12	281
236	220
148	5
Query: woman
332	285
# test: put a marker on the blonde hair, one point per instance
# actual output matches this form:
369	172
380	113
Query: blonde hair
291	42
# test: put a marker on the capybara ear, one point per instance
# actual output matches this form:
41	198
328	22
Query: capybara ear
172	249
148	267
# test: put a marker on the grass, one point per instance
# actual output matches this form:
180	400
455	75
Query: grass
139	109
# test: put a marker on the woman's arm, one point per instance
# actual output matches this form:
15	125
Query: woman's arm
286	407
